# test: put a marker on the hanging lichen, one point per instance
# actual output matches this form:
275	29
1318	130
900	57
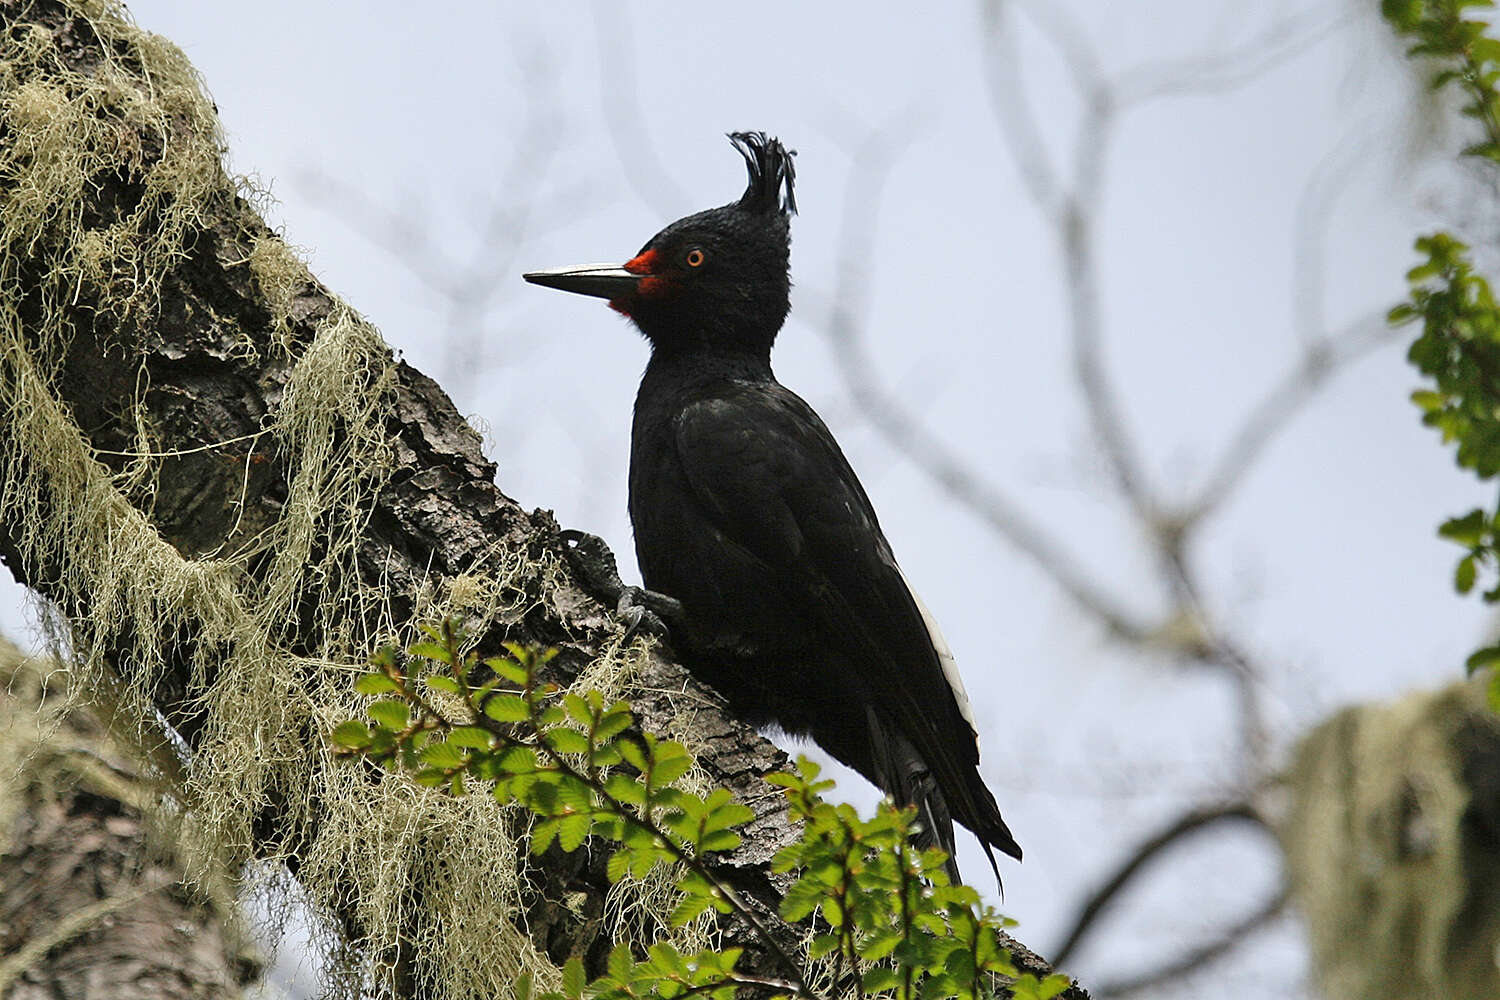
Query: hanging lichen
88	104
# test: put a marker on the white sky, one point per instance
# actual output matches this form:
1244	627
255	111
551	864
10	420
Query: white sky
1326	560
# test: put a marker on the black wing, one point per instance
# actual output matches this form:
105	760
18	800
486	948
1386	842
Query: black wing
767	473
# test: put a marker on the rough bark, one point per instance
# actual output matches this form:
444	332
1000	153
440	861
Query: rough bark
437	516
91	905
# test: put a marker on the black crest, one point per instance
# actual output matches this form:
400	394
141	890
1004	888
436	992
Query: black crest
770	167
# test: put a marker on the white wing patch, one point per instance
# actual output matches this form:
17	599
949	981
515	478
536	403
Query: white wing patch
945	657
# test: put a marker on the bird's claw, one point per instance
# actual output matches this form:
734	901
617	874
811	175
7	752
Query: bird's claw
643	611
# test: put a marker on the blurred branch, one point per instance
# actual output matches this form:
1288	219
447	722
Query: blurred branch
620	95
469	282
843	324
1233	67
1320	361
1227	941
1018	127
1194	821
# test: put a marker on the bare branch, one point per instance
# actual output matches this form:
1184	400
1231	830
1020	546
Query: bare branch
1018	126
1071	212
643	168
1231	68
1190	823
1227	941
843	325
1320	361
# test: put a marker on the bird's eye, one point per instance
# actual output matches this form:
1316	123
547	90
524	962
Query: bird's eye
696	257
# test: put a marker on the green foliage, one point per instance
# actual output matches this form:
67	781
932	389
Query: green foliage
1459	346
1465	57
884	913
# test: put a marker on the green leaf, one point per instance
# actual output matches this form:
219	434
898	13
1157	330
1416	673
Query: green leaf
1467	530
1463	575
352	734
429	651
565	740
509	669
578	708
542	835
507	708
392	715
624	788
471	737
573	978
667	771
688	908
447	685
374	684
1489	656
443	755
719	840
572	831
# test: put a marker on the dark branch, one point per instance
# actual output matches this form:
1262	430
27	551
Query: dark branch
1193	822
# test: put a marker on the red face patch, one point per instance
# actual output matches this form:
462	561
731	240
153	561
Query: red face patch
647	263
644	263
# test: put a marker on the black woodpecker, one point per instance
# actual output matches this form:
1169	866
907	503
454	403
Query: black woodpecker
747	513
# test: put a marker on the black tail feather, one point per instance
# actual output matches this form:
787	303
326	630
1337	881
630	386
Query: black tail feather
903	774
907	779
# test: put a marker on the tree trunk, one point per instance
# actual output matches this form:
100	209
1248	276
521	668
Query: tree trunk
90	904
232	493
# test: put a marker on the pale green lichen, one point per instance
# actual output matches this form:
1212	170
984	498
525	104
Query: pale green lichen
1395	887
439	868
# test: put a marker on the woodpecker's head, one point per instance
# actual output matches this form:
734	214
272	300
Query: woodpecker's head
714	279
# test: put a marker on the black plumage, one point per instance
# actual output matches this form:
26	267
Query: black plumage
747	513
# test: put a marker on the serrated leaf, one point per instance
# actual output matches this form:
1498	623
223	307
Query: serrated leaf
624	788
664	772
634	755
507	668
614	721
565	740
573	978
447	685
517	760
688	909
542	835
471	737
390	714
352	734
618	865
572	831
578	708
442	755
428	651
719	840
522	987
573	794
507	708
621	962
374	684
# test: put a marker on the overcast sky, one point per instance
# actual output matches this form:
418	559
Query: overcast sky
461	145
